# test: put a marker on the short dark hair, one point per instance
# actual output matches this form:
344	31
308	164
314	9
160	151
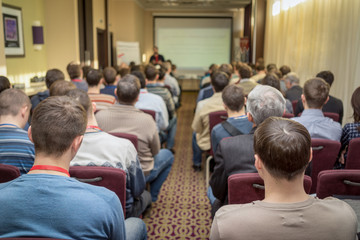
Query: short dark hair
244	71
271	80
283	145
110	75
327	76
85	70
128	89
219	80
74	70
270	67
53	75
123	71
162	72
93	77
213	67
141	78
61	87
82	97
316	91
4	83
355	104
285	70
12	100
151	72
55	123
226	68
233	97
260	67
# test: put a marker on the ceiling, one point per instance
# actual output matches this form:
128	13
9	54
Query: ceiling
194	4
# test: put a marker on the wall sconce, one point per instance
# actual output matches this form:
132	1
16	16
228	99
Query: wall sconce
38	35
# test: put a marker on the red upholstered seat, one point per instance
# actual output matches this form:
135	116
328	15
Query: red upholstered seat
294	104
353	156
150	112
113	179
338	182
333	116
8	173
248	187
133	138
288	115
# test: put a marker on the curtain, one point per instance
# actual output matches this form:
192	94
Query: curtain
315	35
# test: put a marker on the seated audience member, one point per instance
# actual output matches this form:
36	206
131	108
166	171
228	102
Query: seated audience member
123	71
150	101
124	117
47	202
316	94
99	148
273	81
236	154
94	79
237	122
15	147
172	82
111	78
271	67
205	81
284	71
260	73
200	124
245	78
76	75
351	130
51	76
287	211
61	87
173	71
293	91
4	83
334	104
85	70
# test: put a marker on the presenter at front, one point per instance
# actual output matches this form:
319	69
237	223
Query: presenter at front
156	58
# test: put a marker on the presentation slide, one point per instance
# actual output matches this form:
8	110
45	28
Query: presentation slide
193	44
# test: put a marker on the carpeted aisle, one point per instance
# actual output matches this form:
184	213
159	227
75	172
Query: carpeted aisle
182	210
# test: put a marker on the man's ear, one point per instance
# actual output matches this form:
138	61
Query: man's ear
157	77
326	100
77	143
93	107
24	109
303	99
311	154
30	134
102	81
250	117
258	163
115	91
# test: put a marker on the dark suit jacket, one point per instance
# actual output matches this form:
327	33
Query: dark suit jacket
233	155
334	105
294	93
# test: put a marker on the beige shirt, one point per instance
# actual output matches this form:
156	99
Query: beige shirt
247	84
314	218
200	124
128	119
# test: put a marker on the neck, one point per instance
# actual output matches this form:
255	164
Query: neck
94	89
43	159
236	114
12	120
92	121
151	81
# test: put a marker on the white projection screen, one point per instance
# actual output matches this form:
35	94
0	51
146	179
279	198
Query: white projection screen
194	43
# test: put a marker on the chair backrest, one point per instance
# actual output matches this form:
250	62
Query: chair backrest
333	116
248	187
214	119
338	182
353	155
150	112
113	179
133	138
8	173
325	153
288	115
294	104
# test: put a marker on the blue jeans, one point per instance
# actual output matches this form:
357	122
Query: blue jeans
169	134
135	229
162	165
210	195
196	151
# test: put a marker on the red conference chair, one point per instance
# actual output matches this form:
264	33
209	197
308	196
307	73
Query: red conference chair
133	138
248	187
338	182
288	115
113	179
333	116
8	173
150	112
353	155
214	119
325	153
294	104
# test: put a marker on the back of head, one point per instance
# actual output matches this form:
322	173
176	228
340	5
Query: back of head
53	75
74	70
83	98
128	89
226	68
162	72
233	97
355	104
260	67
213	67
61	87
284	70
264	102
327	76
283	145
137	68
219	80
93	77
109	75
4	83
141	78
271	67
55	123
150	72
123	71
85	70
244	71
292	78
316	92
12	100
166	65
271	80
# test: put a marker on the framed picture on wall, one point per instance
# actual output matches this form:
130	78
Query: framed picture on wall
13	31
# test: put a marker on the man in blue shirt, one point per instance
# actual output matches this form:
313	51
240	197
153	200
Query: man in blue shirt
111	78
46	202
76	75
315	95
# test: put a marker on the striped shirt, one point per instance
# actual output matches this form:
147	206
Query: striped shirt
16	149
163	92
102	101
349	132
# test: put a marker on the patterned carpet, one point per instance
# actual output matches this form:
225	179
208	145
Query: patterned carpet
182	210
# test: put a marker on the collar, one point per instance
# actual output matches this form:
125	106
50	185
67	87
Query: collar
312	112
143	90
76	80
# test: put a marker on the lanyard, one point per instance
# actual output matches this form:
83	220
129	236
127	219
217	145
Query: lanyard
77	80
49	167
94	127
